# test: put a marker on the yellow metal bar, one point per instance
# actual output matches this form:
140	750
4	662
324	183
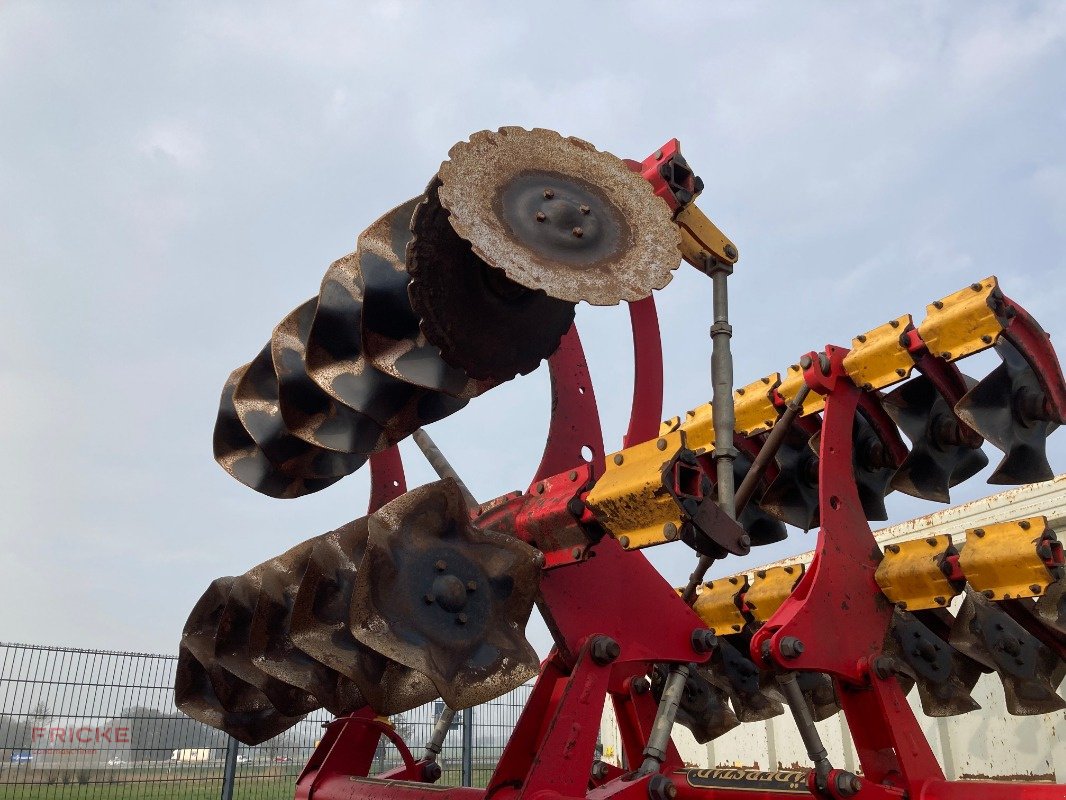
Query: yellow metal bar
962	323
754	409
790	387
1001	561
700	237
631	499
770	589
877	358
716	605
910	573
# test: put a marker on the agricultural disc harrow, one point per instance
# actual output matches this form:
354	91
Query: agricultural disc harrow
474	282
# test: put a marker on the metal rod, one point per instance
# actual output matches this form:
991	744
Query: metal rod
751	478
805	724
659	738
440	731
723	414
468	748
444	469
229	772
440	464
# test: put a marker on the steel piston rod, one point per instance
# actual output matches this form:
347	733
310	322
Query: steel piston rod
805	724
751	479
659	738
444	469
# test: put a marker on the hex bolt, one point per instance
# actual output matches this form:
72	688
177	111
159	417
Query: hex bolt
892	548
549	194
624	541
938	304
979	532
576	506
471	586
605	650
940	600
901	372
430	599
744	540
975	286
894	323
806	362
861	338
661	444
575	553
578	232
848	784
599	770
541	216
1035	588
884	667
988	593
585	209
670	531
1025	525
573	475
661	788
791	647
641	685
461	619
441	565
618	459
730	252
703	640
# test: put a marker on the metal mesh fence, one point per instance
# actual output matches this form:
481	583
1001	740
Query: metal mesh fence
102	724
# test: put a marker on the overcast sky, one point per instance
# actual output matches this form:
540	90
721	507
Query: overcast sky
175	177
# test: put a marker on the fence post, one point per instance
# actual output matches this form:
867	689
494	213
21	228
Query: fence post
230	771
467	776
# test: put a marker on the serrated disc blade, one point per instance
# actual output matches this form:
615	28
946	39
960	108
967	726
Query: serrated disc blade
944	676
238	454
934	464
234	652
484	323
1028	670
792	496
391	338
446	599
308	412
994	408
557	215
319	625
194	695
744	684
270	641
1051	606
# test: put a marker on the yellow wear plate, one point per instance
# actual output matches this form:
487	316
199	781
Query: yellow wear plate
877	359
630	499
716	605
791	385
698	426
910	575
700	237
770	589
962	323
1001	561
754	410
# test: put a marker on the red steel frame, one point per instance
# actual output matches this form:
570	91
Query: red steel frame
619	594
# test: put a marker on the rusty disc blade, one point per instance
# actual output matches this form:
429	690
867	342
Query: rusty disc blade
238	454
558	215
335	361
391	338
319	625
257	400
446	599
255	722
751	691
234	651
484	323
308	412
944	676
270	639
1028	669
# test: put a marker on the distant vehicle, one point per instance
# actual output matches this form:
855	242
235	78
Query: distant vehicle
282	759
21	757
242	759
116	762
190	755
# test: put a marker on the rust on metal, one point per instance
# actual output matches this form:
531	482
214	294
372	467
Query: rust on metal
621	248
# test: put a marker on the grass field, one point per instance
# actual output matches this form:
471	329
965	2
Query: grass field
264	787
